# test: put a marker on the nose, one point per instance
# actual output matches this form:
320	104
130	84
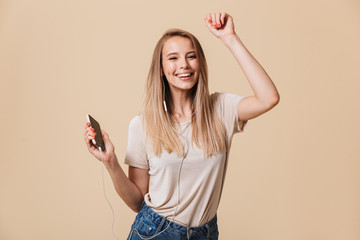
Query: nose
184	64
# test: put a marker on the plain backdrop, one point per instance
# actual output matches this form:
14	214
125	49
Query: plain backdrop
292	175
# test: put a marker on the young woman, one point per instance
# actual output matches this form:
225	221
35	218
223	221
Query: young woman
182	140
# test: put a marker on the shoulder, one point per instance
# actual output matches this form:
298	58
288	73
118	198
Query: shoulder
215	97
222	100
223	95
137	122
226	106
136	125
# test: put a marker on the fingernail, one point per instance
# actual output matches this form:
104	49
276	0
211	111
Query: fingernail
209	21
215	26
88	124
218	25
91	129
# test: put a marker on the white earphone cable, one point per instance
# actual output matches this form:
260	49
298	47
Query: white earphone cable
178	181
177	204
103	181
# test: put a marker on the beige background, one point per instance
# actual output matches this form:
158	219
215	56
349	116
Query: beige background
293	175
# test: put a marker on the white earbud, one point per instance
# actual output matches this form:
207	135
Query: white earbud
165	106
164	94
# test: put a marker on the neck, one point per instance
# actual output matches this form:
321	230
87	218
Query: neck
182	108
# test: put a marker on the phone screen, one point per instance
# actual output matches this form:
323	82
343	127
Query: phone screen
98	141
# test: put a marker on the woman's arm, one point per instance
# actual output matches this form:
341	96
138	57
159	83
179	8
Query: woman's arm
266	95
131	189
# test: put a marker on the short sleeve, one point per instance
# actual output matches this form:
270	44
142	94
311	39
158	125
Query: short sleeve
227	105
136	150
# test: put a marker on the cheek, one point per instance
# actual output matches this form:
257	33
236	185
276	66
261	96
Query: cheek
196	66
168	67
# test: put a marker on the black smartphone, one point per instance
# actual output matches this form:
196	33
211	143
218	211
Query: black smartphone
98	141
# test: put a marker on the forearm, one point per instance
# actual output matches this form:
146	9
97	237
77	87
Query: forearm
263	87
126	189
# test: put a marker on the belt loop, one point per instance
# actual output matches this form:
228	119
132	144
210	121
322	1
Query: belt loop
142	204
163	220
208	230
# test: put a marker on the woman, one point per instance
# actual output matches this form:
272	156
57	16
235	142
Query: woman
182	140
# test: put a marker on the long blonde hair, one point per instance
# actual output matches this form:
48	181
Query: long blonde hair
207	131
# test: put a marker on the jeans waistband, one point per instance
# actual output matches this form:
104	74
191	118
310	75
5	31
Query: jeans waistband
160	220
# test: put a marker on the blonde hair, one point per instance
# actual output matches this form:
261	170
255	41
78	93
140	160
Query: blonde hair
207	131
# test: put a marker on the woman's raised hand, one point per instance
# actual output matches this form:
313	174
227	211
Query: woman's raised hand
220	24
109	156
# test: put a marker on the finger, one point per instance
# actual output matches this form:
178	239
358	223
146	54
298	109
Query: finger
208	21
106	138
213	20
93	150
217	20
90	135
208	18
222	18
88	142
108	144
87	131
229	19
104	134
91	147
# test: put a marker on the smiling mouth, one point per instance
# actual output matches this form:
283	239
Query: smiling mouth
184	76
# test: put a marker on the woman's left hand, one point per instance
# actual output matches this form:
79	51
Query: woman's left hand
220	24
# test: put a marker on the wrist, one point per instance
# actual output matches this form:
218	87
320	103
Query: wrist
113	164
229	38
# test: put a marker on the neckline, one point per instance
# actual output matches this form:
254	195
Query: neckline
186	122
183	123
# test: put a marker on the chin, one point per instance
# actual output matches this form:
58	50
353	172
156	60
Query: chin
187	86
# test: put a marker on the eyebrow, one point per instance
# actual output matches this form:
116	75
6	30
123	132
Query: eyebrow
177	53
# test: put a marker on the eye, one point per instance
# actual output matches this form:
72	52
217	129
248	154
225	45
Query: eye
173	58
192	56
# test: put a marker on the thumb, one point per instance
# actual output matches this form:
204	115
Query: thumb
108	144
105	134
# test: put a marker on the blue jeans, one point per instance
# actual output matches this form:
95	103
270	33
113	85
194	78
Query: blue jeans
150	225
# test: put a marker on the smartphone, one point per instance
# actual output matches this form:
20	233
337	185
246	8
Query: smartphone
98	141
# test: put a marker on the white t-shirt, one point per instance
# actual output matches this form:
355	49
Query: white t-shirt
201	179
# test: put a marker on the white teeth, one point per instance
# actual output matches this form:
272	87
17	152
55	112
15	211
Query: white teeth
184	75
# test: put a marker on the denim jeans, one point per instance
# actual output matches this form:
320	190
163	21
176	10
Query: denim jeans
150	225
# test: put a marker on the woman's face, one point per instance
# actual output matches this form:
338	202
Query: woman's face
180	64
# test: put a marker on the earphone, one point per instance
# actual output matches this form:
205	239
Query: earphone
185	155
177	204
178	181
102	174
165	108
163	87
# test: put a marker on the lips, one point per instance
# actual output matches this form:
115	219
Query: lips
184	76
